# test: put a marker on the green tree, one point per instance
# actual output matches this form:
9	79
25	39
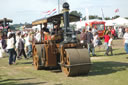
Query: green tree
12	27
115	17
107	18
100	18
84	18
126	17
76	13
92	17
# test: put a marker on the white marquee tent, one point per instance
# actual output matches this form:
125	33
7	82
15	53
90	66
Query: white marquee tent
109	23
117	22
120	21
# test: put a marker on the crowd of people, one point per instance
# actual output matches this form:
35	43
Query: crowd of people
19	43
92	39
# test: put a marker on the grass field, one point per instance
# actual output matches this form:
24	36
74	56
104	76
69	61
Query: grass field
106	70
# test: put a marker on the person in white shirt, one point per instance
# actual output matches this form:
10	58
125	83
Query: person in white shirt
94	30
25	39
9	32
97	41
126	40
120	33
29	45
11	50
109	49
38	36
17	42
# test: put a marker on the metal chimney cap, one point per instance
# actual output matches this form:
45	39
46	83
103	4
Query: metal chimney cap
66	5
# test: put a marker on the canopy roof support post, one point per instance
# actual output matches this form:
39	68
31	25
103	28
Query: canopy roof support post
41	31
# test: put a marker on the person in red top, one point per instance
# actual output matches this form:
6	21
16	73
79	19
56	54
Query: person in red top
106	39
113	32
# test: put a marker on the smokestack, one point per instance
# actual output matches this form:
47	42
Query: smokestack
66	14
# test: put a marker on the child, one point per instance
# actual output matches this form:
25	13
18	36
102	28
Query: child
109	46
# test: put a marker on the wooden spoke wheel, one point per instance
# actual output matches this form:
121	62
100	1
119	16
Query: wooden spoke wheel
36	62
65	62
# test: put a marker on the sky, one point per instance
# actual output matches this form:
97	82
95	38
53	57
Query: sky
22	11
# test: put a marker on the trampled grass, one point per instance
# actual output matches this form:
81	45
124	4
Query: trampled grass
105	70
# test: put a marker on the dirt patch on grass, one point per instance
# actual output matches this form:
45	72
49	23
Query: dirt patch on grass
3	67
99	58
26	67
23	67
118	43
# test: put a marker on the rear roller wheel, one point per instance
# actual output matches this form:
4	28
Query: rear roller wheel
37	57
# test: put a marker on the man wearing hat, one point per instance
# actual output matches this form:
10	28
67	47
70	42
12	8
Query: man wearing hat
57	32
45	31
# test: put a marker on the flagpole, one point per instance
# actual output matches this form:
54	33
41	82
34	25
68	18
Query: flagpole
102	14
58	6
87	14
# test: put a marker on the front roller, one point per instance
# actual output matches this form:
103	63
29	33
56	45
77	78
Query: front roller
37	56
75	61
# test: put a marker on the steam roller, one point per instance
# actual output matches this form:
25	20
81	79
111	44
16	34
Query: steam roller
65	50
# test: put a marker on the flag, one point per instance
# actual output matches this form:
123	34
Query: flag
52	11
117	10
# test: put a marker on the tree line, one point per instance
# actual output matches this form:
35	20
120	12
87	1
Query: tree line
93	16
